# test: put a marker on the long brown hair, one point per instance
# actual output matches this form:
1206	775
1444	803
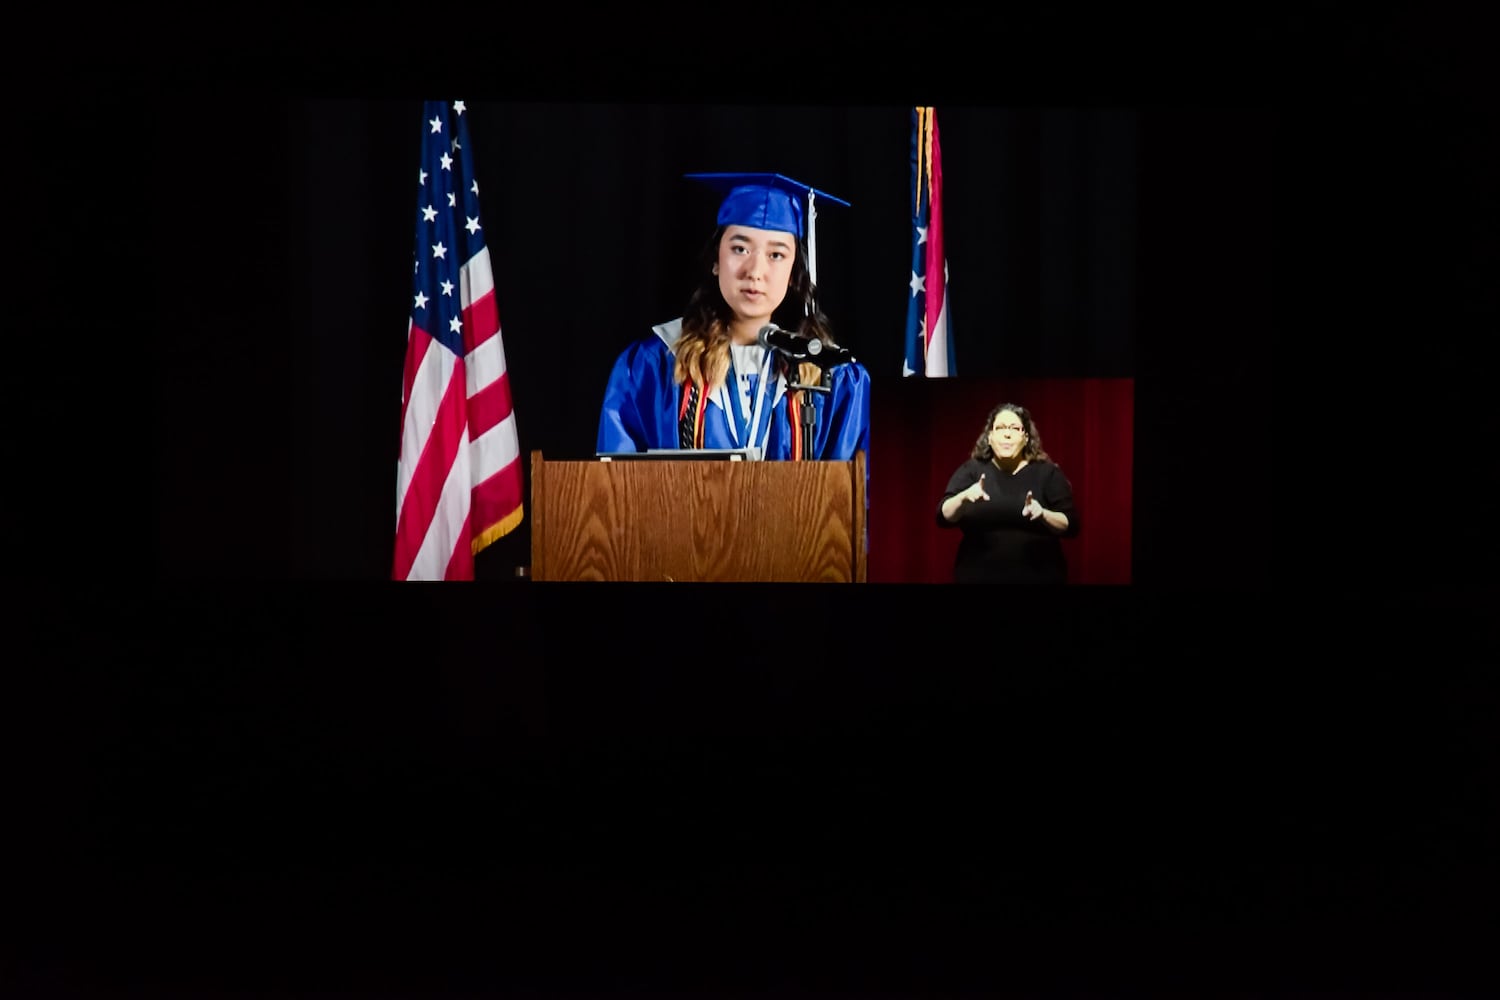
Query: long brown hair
703	349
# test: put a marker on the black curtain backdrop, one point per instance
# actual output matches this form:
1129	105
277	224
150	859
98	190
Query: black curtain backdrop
1093	242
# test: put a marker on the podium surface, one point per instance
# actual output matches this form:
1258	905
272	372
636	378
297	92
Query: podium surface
698	521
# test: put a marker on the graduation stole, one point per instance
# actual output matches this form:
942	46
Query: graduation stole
800	413
690	415
795	401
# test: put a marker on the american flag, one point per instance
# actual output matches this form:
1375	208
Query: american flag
929	343
458	474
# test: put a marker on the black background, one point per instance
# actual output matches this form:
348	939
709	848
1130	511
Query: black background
255	780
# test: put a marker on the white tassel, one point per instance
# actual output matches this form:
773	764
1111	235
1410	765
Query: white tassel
812	243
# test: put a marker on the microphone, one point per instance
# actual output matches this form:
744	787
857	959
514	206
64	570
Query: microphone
801	348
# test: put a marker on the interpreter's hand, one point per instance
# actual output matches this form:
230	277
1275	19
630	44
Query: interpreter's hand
1031	510
975	492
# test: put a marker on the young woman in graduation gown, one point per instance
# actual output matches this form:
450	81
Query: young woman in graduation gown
710	378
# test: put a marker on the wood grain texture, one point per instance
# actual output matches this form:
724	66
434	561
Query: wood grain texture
698	521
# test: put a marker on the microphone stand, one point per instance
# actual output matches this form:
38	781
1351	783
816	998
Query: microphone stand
807	413
791	374
795	361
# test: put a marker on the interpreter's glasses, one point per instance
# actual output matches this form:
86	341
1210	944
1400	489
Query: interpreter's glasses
1008	427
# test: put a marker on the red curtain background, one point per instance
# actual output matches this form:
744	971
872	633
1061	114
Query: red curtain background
921	430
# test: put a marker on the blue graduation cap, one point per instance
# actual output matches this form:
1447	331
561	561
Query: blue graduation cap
764	201
770	201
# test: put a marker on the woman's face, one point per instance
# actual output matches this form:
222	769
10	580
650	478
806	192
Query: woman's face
754	268
1007	434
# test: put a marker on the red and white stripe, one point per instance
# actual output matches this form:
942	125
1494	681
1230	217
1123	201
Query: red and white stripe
459	483
936	327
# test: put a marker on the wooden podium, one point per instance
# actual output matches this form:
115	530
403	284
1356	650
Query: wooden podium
698	521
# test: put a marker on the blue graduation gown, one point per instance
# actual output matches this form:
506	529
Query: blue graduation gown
641	404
